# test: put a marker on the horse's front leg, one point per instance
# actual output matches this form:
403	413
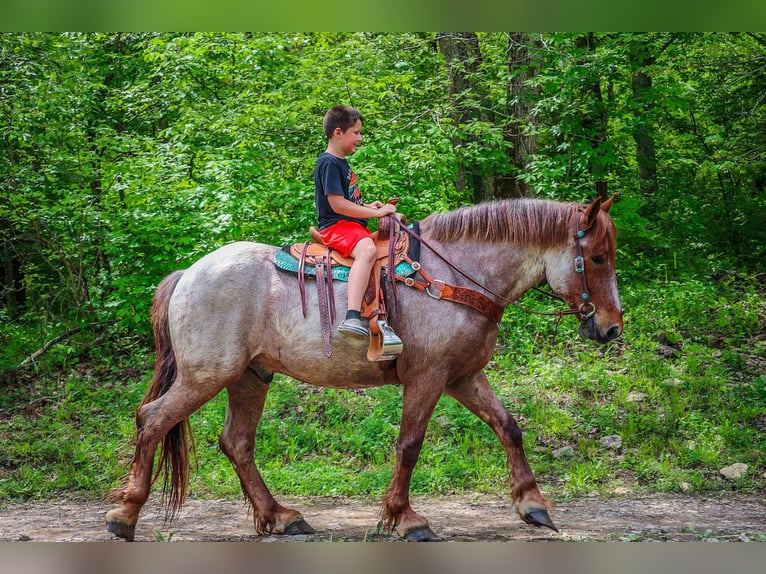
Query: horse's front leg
398	516
476	394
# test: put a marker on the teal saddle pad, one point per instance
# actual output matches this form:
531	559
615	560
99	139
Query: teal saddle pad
286	262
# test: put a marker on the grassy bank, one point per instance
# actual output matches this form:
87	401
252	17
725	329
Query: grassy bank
681	395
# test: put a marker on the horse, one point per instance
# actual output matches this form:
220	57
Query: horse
232	320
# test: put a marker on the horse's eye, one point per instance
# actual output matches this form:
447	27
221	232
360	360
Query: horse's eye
598	259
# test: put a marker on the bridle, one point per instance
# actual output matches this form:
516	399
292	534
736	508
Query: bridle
586	309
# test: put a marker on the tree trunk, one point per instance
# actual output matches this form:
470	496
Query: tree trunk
595	123
521	67
646	159
641	57
463	57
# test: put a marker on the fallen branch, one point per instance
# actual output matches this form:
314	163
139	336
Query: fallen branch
46	347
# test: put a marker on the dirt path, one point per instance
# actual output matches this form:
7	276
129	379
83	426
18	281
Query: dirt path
478	517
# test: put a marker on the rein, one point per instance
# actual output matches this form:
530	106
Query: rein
586	309
417	236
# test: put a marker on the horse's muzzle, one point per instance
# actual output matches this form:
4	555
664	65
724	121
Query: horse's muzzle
590	330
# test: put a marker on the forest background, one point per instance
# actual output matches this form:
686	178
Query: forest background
127	156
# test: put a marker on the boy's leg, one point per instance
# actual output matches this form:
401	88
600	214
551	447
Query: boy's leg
364	257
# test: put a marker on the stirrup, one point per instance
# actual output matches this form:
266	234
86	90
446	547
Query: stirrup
392	344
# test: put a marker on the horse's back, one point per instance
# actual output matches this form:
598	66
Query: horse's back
235	254
218	302
229	277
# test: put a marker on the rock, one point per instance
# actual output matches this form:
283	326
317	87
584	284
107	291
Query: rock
564	451
684	487
675	382
734	471
666	351
636	397
613	441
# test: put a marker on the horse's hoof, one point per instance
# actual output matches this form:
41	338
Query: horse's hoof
539	517
121	529
421	534
299	526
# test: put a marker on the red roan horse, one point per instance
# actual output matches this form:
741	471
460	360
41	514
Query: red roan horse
232	320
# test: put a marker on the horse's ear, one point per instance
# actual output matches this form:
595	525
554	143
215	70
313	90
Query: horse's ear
591	213
608	203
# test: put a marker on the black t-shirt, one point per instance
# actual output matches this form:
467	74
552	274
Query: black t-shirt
333	175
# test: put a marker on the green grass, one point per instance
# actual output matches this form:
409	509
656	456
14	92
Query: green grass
67	427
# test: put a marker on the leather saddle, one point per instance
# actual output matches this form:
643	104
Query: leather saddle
316	249
314	258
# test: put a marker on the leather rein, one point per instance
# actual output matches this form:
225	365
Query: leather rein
481	302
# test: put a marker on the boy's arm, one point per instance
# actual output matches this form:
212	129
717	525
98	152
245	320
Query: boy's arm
348	208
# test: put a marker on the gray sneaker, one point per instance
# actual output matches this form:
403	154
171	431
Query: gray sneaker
353	328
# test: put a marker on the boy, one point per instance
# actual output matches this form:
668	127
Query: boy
342	214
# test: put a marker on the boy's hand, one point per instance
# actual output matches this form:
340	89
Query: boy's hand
385	209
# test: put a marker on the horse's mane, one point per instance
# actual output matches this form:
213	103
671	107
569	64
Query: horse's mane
521	221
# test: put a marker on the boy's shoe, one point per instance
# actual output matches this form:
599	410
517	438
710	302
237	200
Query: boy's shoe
353	328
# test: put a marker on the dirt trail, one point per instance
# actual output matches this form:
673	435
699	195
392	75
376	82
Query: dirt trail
477	517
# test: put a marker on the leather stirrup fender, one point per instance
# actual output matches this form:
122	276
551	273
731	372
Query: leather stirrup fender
324	311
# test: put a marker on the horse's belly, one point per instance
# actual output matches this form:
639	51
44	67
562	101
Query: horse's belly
346	368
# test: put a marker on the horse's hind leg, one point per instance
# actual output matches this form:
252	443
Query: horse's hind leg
154	420
476	394
132	495
246	400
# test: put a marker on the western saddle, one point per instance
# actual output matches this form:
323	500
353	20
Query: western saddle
315	258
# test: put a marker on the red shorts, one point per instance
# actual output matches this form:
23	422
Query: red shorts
344	235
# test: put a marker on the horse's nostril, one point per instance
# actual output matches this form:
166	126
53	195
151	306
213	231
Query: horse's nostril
613	332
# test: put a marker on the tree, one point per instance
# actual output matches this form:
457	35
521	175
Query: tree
492	103
521	126
595	117
463	58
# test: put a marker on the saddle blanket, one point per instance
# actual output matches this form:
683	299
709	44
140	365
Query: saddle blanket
285	261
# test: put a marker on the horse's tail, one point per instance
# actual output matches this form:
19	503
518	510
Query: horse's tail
174	451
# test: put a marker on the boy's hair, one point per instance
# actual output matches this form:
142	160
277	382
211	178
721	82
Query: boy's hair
342	117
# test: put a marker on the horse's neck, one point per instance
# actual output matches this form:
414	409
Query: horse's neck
509	270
